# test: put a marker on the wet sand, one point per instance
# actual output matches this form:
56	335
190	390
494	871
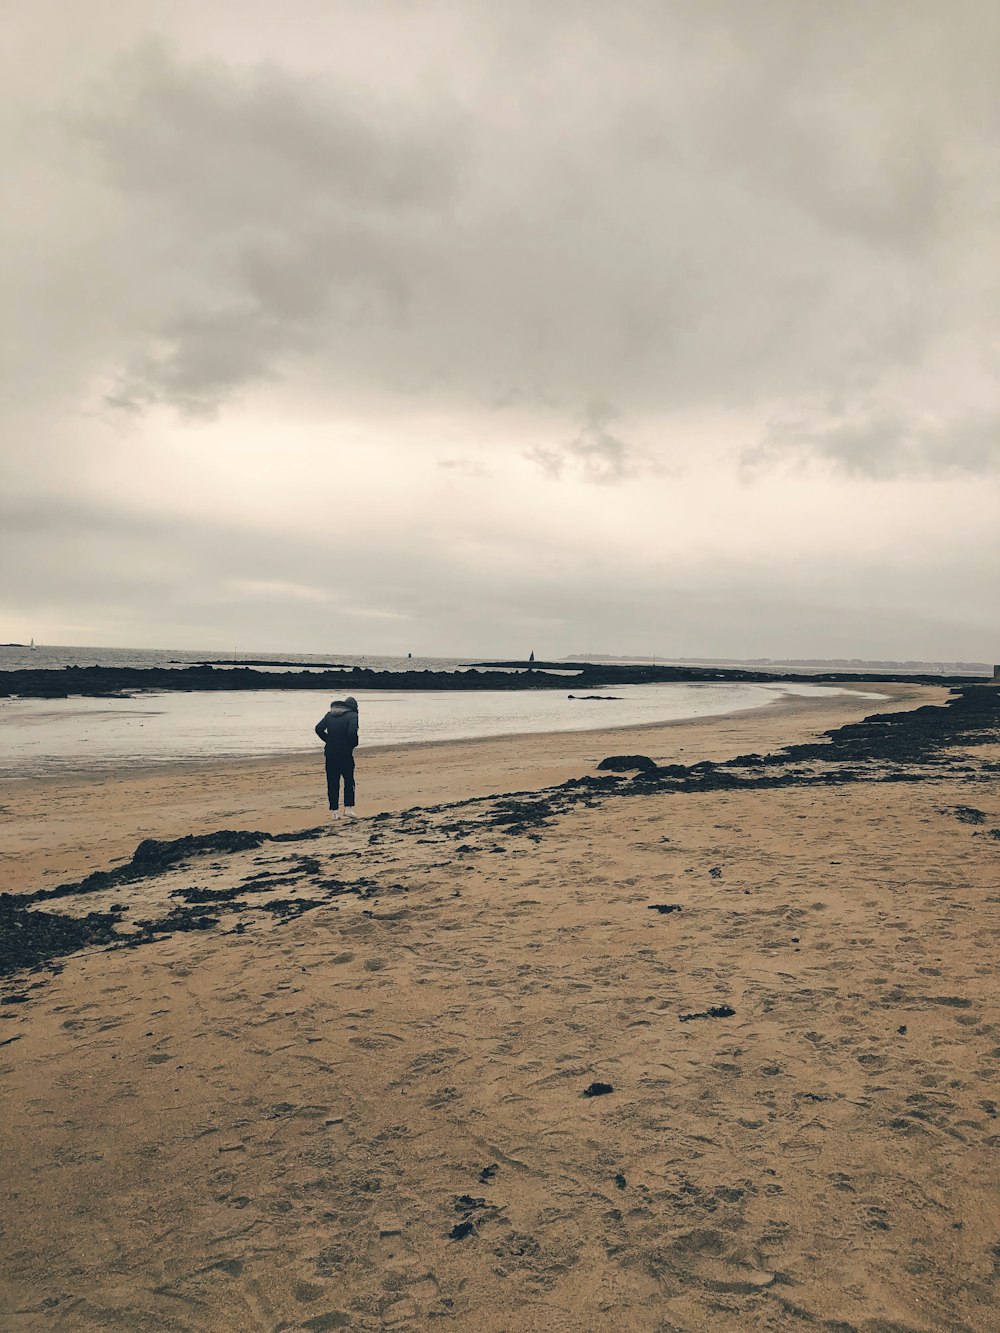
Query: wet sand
370	1112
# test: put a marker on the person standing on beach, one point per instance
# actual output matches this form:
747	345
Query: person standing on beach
338	730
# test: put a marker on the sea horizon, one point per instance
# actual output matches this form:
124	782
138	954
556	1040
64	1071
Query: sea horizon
15	657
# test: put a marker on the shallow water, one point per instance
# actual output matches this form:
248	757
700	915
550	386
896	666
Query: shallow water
50	736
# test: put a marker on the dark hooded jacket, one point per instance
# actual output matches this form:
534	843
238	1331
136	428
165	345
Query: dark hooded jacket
338	730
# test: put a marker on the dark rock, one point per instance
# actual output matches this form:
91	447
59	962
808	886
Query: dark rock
624	763
597	1090
664	908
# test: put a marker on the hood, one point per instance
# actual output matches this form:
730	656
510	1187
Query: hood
347	705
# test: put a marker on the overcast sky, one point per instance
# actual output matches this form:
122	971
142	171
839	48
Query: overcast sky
474	327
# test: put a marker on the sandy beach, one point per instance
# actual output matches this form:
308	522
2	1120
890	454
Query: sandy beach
582	415
56	828
710	1050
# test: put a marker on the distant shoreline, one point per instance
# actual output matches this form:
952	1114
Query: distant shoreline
261	662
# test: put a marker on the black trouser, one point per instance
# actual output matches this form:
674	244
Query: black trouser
339	764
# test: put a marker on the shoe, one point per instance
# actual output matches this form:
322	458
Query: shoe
349	812
335	814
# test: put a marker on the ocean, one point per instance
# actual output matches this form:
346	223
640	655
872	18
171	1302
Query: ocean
14	658
47	736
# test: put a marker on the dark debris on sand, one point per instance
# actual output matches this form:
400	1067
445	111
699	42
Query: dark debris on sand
153	857
28	938
475	1211
968	814
890	747
717	1011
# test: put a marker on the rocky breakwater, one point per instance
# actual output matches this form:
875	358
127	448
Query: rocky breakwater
105	682
109	682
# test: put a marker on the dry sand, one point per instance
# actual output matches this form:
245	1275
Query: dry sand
281	1126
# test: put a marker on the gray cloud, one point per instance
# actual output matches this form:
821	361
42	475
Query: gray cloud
676	213
468	467
434	234
290	214
884	445
215	583
594	452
